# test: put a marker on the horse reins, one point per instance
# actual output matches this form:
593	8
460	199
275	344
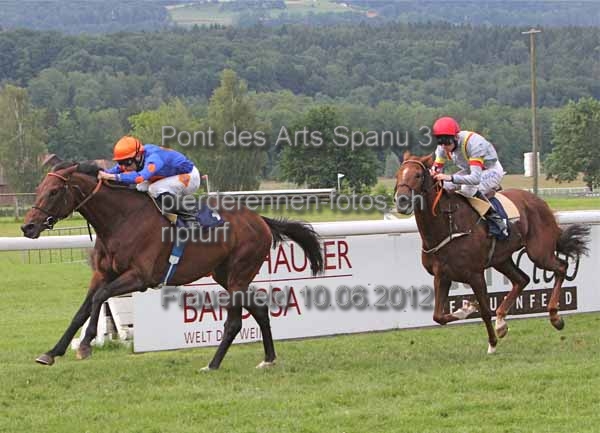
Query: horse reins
52	220
436	201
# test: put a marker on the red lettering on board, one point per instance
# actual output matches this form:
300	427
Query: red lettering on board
327	255
343	253
281	259
291	258
190	314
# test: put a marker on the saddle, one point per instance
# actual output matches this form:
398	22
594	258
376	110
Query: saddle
206	217
502	204
187	220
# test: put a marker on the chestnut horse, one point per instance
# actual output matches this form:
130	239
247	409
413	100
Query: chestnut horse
130	253
456	245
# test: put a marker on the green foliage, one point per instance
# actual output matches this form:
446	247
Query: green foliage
148	125
82	134
311	156
76	16
575	135
21	139
401	63
395	78
392	164
489	13
233	165
278	109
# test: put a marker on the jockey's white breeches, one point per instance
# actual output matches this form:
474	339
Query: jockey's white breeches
179	185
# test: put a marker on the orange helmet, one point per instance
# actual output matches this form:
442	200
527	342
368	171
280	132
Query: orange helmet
127	147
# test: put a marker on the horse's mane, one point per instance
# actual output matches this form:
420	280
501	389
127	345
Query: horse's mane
61	165
89	168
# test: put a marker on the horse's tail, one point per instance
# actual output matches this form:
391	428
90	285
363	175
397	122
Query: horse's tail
303	234
573	240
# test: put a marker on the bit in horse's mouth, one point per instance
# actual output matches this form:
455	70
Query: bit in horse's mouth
31	230
404	205
405	210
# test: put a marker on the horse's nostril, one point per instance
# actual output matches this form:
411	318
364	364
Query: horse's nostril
26	227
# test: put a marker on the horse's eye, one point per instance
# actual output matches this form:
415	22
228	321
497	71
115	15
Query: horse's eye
418	176
53	193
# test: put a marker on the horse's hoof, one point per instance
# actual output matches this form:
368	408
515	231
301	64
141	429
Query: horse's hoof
83	352
558	323
491	349
207	369
501	330
467	309
265	364
45	359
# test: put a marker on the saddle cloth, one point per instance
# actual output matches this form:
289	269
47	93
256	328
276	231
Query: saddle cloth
205	216
482	206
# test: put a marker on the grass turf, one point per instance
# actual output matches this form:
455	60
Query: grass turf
425	380
428	380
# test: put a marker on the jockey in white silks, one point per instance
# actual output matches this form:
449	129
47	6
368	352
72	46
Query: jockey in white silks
480	170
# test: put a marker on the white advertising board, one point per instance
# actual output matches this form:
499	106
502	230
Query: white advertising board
387	266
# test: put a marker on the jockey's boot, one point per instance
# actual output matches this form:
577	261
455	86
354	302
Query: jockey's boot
170	203
493	215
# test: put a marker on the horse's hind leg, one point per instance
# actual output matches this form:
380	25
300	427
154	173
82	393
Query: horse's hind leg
519	280
238	276
549	261
233	325
261	315
560	270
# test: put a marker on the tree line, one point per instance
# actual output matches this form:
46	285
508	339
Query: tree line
399	62
256	136
79	16
83	92
109	16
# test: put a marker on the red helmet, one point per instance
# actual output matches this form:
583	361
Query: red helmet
446	126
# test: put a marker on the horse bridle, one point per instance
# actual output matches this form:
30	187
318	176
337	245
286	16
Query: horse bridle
51	220
452	234
425	172
424	188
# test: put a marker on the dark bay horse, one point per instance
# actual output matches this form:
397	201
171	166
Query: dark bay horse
449	256
130	255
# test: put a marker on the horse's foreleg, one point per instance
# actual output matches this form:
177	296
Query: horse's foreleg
441	288
77	322
519	280
125	283
480	289
61	346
